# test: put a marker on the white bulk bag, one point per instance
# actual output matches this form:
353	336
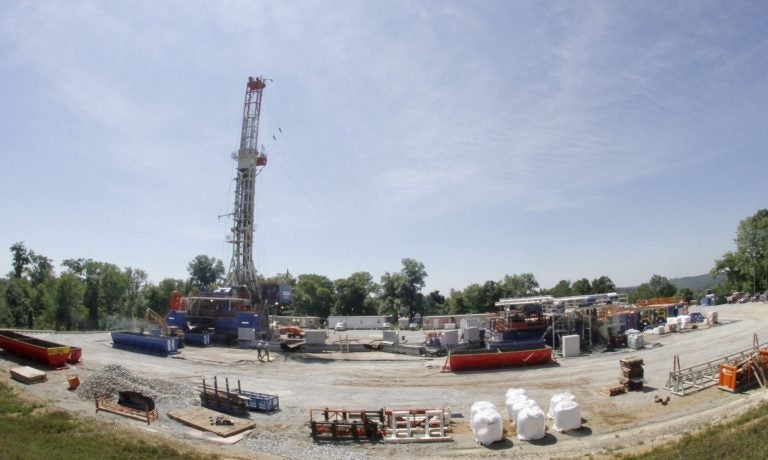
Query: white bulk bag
515	392
518	406
479	405
531	424
487	425
566	415
556	398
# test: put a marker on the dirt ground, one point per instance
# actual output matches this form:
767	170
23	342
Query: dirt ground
373	380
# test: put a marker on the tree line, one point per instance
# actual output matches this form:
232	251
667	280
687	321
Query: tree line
746	268
93	295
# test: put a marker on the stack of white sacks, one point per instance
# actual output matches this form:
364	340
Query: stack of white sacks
565	412
486	422
527	416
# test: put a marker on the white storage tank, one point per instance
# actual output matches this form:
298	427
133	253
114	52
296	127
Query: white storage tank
450	337
314	336
246	333
571	346
391	336
470	334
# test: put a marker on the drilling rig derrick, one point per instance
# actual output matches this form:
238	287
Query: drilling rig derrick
232	311
250	162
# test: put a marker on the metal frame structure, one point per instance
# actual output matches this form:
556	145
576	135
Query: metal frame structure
695	378
250	162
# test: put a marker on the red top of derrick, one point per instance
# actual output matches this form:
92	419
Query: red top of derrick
255	83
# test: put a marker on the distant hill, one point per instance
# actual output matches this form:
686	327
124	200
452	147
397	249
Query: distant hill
694	283
698	283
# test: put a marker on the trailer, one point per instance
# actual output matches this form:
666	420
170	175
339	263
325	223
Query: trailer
198	339
147	344
49	353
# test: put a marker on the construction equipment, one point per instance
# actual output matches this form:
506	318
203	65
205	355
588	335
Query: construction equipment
684	381
153	317
340	424
746	372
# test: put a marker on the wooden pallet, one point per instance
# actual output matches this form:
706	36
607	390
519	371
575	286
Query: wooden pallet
200	418
26	374
103	403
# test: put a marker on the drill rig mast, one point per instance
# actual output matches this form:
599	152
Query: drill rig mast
250	162
239	306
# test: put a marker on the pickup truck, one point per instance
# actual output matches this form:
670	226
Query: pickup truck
291	331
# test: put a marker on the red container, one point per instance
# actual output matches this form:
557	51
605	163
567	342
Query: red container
75	355
50	353
466	360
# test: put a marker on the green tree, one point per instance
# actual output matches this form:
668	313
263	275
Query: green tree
474	299
415	277
491	295
134	295
313	295
657	286
603	285
6	319
522	285
752	247
205	272
436	303
161	297
77	266
662	286
42	306
561	289
736	274
70	311
354	295
392	287
21	258
582	287
40	269
18	301
456	303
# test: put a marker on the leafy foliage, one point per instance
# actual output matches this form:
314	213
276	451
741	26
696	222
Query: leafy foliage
99	295
205	271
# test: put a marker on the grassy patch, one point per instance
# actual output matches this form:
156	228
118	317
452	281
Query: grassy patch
745	437
31	434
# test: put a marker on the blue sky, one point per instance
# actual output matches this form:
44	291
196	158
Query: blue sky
565	139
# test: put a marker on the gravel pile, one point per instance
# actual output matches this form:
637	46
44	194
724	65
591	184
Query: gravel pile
282	444
113	379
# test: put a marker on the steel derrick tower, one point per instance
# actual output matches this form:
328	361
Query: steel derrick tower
250	162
